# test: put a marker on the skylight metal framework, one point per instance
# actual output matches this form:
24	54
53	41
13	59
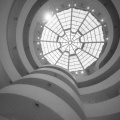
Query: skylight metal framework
72	39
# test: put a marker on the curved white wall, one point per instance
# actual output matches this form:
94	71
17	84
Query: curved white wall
19	33
4	53
113	79
110	106
44	97
48	90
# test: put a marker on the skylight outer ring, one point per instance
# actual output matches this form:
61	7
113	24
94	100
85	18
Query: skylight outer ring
72	39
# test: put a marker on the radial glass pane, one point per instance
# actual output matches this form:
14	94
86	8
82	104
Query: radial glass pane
72	39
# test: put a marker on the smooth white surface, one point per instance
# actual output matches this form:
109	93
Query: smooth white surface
61	73
19	33
45	97
59	83
4	53
105	108
31	39
109	82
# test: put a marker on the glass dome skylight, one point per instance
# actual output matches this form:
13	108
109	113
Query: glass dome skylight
72	39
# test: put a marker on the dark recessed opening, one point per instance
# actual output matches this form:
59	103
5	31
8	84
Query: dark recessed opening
49	84
115	26
105	4
10	82
36	104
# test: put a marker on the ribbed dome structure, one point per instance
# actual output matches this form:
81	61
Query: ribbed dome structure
72	38
33	89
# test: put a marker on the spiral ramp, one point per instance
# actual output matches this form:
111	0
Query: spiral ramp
31	91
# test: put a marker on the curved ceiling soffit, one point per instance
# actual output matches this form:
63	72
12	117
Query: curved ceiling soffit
11	36
116	25
115	67
28	21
